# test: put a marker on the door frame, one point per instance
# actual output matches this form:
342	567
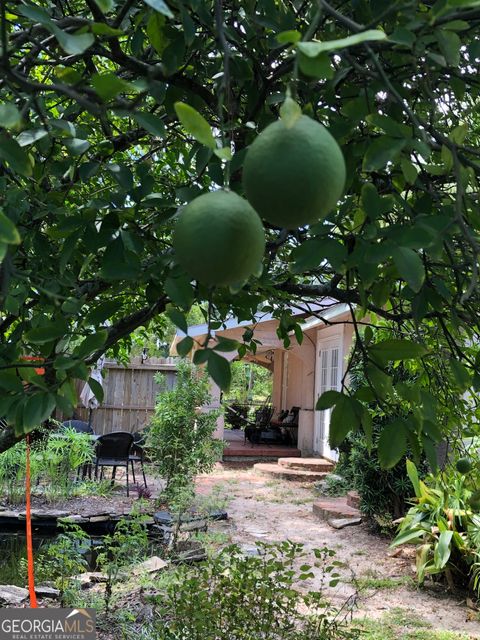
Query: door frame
325	339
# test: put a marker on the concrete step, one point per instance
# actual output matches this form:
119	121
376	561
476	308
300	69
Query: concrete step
307	464
333	508
284	473
353	499
240	450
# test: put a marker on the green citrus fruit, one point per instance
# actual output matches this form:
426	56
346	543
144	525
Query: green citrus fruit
464	465
219	238
474	501
294	175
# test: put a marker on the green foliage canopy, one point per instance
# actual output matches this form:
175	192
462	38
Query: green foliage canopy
114	114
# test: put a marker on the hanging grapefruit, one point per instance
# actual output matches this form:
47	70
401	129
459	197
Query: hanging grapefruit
464	465
219	238
294	174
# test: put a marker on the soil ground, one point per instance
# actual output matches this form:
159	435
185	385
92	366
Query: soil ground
374	581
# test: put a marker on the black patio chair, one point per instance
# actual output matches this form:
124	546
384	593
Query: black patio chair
137	454
79	426
253	432
113	450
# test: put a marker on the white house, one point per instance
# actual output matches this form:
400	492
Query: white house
302	372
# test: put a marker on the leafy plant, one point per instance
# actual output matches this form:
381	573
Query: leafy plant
12	473
55	461
444	527
240	597
66	558
179	439
126	545
61	458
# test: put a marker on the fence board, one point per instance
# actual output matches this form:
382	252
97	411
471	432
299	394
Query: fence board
129	394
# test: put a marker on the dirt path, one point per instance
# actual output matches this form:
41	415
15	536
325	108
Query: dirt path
272	511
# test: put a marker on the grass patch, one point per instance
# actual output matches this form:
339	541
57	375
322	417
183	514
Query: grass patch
371	580
403	623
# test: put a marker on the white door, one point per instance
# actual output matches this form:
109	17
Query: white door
328	375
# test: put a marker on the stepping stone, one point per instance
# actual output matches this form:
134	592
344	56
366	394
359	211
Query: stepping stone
334	508
44	591
353	499
90	577
341	523
75	519
285	473
307	464
151	565
12	595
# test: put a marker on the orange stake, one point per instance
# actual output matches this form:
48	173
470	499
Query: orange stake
31	575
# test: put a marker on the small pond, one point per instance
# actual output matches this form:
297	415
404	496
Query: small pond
13	555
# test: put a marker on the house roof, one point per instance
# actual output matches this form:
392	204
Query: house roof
332	311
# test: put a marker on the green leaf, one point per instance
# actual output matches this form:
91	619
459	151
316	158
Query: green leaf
91	343
185	346
288	37
397	350
409	170
201	356
102	312
392	444
73	44
17	159
413	475
319	67
109	85
195	124
180	291
225	153
178	318
442	552
122	175
226	344
219	370
9	381
38	407
8	231
151	123
97	389
345	417
312	49
42	335
161	6
449	43
105	5
314	251
410	267
77	146
382	151
328	399
9	116
31	136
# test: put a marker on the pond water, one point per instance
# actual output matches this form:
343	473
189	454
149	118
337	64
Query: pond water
13	557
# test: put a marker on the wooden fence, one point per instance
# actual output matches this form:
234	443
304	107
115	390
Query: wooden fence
129	394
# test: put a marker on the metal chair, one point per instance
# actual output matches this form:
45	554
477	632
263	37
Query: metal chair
113	450
79	426
137	454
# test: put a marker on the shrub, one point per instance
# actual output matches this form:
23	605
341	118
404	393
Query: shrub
127	544
240	597
384	493
12	473
445	528
180	438
54	461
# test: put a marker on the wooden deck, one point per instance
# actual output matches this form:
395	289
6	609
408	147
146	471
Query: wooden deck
236	447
